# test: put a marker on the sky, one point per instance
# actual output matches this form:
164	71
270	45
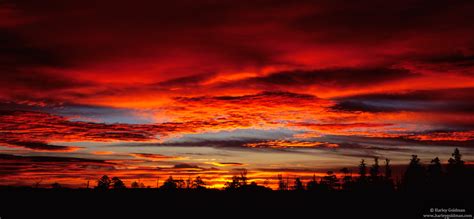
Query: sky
143	90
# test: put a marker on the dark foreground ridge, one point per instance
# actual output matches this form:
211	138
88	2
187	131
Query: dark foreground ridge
431	191
144	203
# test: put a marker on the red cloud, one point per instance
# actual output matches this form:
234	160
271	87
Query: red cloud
324	67
447	136
325	48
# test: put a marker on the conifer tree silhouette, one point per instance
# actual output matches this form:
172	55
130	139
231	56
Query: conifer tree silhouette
414	177
298	186
435	173
375	171
388	169
312	185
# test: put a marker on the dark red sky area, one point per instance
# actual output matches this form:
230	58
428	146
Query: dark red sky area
214	83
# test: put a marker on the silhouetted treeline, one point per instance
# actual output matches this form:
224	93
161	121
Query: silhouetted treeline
376	177
370	189
456	176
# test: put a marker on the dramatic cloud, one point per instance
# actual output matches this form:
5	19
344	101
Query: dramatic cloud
343	77
302	83
262	109
290	144
262	44
38	146
154	157
226	164
444	100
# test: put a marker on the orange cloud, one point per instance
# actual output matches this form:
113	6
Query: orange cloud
290	144
225	164
154	157
444	136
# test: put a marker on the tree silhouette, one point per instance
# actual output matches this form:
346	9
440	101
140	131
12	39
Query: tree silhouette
237	182
298	186
414	178
243	177
37	183
240	182
329	181
233	184
117	183
361	184
388	169
56	186
180	184
189	183
456	159
362	169
346	179
346	172
458	177
312	185
137	185
198	183
169	184
375	171
282	185
455	164
386	183
435	173
103	183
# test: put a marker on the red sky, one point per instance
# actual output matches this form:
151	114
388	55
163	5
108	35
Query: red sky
139	89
